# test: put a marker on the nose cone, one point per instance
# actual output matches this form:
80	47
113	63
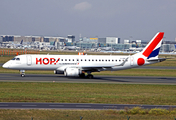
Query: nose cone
5	65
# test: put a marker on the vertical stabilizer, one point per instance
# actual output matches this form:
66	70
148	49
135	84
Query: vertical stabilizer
153	47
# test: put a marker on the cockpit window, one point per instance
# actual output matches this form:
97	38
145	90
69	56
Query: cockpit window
17	58
14	59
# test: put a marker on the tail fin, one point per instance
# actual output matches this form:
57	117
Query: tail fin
54	43
153	47
21	42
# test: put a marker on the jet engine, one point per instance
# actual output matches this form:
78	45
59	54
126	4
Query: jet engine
58	72
72	72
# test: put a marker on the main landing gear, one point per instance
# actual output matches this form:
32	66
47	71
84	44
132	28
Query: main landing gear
82	75
22	72
90	76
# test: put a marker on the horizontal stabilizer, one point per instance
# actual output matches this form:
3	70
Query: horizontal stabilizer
158	59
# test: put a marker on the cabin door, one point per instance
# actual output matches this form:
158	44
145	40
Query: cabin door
29	59
131	61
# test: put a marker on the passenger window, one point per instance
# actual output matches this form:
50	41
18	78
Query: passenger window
108	60
61	59
73	59
81	59
96	60
65	59
112	60
92	60
85	59
102	60
99	60
69	59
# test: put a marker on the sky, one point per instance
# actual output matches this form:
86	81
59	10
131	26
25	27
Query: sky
126	19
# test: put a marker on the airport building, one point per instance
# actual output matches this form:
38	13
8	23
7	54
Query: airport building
126	41
102	40
16	39
112	40
168	47
1	38
71	38
85	43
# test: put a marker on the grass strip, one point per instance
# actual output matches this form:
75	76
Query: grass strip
153	114
128	72
88	93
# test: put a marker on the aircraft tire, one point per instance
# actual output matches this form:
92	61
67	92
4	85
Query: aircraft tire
82	75
65	73
90	76
22	75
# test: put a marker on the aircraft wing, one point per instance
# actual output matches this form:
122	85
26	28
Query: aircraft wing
100	68
93	68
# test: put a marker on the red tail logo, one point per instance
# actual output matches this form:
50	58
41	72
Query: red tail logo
153	44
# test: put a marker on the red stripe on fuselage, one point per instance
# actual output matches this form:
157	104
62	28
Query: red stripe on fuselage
154	43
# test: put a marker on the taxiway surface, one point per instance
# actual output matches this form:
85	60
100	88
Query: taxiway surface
8	77
77	106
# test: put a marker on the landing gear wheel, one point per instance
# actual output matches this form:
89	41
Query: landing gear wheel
90	76
22	72
82	75
65	73
22	75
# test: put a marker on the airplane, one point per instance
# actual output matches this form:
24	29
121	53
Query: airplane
71	48
50	47
65	47
18	45
135	49
78	65
104	49
100	48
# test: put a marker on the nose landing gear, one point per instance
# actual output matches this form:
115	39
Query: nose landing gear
22	72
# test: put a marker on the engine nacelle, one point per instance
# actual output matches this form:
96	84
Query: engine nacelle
58	72
72	72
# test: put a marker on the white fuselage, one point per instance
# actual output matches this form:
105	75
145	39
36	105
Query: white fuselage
60	62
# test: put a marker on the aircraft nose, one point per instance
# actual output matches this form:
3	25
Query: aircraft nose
5	65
